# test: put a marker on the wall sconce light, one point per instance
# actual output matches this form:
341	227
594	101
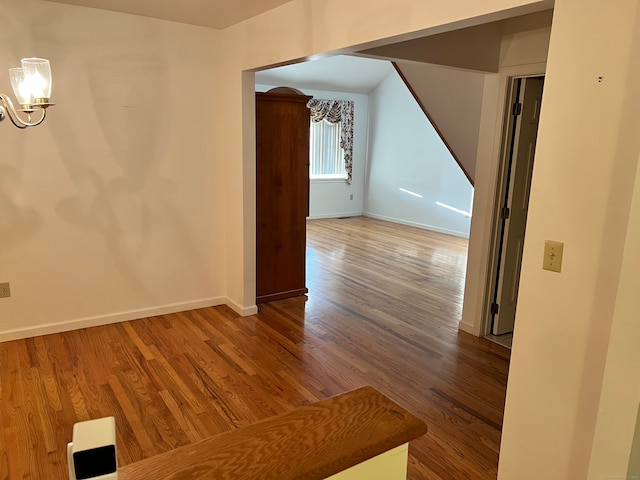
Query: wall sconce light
32	88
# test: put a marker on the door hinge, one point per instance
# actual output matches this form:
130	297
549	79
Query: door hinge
517	109
504	213
494	308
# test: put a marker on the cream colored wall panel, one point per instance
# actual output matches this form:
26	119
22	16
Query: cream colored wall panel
109	207
391	465
586	158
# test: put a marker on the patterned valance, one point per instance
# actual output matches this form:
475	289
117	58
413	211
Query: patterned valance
334	111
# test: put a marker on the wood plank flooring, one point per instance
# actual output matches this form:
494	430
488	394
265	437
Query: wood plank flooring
382	310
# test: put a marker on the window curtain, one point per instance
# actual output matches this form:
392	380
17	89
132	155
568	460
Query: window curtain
335	111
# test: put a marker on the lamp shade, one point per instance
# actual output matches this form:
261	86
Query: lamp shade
20	88
36	79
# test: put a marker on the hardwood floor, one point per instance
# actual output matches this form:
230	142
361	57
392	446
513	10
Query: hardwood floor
382	310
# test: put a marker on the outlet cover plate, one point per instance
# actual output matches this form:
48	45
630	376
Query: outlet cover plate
553	256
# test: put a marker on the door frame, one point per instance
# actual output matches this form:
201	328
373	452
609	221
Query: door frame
517	184
502	149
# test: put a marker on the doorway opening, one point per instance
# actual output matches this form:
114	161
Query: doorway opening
522	114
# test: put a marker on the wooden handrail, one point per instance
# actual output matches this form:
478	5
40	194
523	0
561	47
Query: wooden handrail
311	442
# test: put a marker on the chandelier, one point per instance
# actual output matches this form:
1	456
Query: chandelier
32	89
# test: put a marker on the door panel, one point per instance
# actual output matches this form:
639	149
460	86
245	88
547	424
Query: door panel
524	145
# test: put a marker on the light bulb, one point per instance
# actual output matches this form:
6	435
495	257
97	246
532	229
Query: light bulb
37	76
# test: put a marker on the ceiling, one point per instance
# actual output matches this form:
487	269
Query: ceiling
341	73
206	13
338	73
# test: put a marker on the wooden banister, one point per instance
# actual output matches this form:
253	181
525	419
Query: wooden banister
312	442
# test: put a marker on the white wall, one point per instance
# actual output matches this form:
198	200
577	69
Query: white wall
405	152
523	51
583	182
453	99
620	398
332	198
108	209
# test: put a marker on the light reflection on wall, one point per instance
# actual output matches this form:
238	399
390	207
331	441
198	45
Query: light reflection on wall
454	209
410	192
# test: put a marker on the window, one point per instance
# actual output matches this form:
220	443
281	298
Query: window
331	150
326	157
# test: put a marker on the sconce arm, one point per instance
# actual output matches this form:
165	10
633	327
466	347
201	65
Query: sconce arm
7	109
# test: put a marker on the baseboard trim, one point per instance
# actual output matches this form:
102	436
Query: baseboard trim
467	327
240	310
98	320
433	228
335	215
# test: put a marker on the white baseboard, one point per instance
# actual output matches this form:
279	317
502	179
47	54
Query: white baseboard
467	327
418	225
240	310
97	320
335	215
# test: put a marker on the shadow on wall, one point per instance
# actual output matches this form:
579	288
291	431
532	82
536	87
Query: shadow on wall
17	222
111	129
103	185
113	157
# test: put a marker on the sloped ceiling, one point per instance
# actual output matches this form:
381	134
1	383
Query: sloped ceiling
338	74
206	13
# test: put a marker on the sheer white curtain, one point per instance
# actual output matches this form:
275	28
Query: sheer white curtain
337	112
325	153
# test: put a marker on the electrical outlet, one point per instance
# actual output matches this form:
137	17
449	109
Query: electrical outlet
4	290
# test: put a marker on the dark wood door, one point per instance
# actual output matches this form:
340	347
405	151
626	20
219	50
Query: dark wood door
282	194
